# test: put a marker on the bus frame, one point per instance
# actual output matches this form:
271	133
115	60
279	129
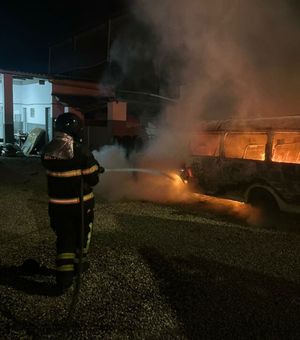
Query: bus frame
266	183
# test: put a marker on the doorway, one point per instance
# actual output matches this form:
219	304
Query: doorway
48	125
1	124
25	119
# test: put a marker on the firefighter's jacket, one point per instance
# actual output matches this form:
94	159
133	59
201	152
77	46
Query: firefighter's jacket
66	161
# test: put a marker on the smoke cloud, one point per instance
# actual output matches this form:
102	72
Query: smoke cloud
134	185
239	57
129	185
232	58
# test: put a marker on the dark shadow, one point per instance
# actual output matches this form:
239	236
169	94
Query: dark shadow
213	299
218	301
13	277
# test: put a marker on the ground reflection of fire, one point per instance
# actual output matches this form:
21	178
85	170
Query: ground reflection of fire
181	193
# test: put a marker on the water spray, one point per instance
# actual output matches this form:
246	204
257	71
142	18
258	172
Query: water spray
150	171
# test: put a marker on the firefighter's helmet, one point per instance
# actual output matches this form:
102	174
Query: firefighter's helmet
70	124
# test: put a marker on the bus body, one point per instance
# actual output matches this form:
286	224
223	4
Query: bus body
253	161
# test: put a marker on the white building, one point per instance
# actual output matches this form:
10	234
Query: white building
26	102
29	101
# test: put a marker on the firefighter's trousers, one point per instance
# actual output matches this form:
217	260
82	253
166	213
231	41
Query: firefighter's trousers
65	220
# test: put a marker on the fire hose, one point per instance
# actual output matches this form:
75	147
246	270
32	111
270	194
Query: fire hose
66	330
81	238
80	265
150	171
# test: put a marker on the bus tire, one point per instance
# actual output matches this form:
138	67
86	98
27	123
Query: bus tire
268	212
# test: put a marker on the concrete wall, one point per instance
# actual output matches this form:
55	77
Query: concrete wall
98	136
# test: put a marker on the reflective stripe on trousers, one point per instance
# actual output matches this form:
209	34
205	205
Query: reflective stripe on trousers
70	200
65	262
86	246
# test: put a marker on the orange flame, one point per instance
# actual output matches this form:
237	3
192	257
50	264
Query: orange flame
181	193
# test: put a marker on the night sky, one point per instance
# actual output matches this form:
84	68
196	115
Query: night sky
27	28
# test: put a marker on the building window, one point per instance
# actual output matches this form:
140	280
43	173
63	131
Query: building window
32	113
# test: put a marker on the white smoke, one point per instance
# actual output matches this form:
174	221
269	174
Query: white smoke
238	58
132	185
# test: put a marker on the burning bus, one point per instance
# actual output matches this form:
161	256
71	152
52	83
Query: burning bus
254	161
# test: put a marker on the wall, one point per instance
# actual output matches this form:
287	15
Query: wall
98	136
36	97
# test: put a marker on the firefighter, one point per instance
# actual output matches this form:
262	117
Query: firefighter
67	161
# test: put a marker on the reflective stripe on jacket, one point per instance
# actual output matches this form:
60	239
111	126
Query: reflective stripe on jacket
73	173
64	175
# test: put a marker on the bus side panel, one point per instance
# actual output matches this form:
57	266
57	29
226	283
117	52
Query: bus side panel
238	175
207	171
285	179
231	178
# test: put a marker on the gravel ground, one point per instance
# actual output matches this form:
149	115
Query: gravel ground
158	271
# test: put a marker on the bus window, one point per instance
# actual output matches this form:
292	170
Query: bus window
245	145
205	145
286	147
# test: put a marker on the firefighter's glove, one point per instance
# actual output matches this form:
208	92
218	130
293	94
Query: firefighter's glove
101	169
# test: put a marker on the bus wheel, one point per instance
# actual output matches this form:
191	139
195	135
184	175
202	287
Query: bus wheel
268	212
